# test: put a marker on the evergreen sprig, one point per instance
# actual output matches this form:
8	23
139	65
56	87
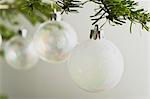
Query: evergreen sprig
118	11
36	11
69	5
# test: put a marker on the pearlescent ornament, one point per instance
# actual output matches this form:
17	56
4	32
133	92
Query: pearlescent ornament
54	41
19	54
96	65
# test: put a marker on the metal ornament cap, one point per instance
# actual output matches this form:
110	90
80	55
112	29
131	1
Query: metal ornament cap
96	33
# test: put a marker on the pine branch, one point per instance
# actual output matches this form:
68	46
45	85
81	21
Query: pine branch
36	11
118	11
69	5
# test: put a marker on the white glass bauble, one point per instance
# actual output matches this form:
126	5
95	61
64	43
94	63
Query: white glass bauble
19	54
54	41
96	65
0	40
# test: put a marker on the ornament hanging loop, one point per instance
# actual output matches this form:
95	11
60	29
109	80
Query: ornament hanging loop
96	33
55	16
23	32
